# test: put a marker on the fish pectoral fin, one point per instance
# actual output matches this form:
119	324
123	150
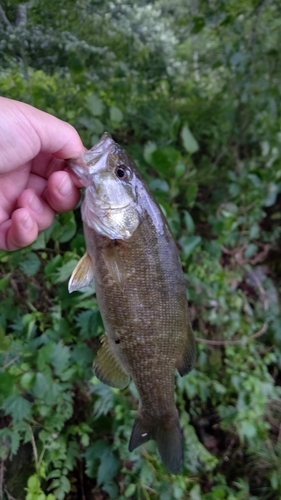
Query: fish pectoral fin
108	368
187	359
82	275
115	265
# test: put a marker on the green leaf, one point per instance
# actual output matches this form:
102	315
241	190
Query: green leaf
274	480
159	185
15	442
86	122
198	24
40	242
250	250
40	386
96	450
189	222
94	104
65	484
33	483
237	58
105	401
189	142
31	264
66	228
27	380
195	493
130	490
191	193
272	192
248	430
18	407
108	467
112	489
7	384
92	456
89	322
180	169
52	266
94	125
148	149
164	160
116	114
5	341
59	357
64	272
189	243
4	282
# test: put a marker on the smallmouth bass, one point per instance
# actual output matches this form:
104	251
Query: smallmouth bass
140	290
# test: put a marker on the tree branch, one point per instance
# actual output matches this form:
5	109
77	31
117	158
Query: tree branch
5	19
242	341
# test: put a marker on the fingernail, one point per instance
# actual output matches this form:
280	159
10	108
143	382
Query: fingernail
65	186
27	222
35	204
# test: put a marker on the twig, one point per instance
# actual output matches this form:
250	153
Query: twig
1	477
219	156
5	19
35	453
10	363
261	290
149	489
237	253
145	492
244	340
9	495
279	434
81	480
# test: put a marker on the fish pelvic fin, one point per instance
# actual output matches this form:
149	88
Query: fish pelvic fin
168	437
115	265
188	356
82	275
108	368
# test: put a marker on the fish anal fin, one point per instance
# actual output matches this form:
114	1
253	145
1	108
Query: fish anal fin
168	437
187	358
82	275
114	264
107	367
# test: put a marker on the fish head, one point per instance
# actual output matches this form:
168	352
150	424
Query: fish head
110	178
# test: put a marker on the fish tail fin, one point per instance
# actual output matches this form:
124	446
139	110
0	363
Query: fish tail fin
168	437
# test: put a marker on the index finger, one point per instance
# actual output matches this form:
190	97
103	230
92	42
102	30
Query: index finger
26	131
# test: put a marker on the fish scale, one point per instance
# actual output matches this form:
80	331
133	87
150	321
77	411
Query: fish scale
141	294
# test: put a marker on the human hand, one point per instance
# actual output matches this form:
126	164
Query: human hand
33	181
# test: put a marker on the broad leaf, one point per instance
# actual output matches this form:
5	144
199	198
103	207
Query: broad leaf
189	142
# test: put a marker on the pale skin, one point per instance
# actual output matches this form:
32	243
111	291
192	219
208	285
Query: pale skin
34	180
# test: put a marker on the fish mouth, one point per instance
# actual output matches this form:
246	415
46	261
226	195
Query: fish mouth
92	161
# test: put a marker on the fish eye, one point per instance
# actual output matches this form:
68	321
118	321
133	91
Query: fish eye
122	172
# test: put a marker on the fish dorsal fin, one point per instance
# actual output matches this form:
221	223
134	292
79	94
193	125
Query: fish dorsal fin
107	367
82	275
187	358
114	264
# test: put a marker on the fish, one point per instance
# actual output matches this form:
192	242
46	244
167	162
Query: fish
140	290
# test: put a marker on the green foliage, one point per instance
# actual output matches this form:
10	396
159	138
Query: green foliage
192	90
